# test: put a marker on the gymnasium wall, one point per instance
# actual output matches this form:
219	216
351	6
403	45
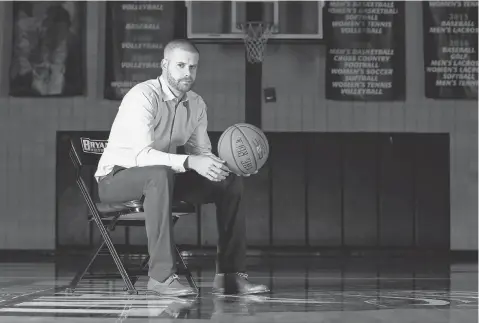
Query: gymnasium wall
300	82
28	127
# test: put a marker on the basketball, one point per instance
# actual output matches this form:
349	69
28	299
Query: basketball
244	148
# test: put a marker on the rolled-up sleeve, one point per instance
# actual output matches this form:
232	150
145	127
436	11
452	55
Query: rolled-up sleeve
199	142
134	131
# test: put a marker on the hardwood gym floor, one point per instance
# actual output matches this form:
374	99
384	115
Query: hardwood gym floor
304	289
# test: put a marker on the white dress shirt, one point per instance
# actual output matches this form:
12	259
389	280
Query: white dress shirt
149	126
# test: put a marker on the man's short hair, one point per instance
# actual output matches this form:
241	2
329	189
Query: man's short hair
180	43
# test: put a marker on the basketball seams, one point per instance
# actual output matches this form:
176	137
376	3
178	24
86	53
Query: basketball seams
220	141
231	143
262	135
251	148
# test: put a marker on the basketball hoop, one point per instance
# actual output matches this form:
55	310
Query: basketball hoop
256	34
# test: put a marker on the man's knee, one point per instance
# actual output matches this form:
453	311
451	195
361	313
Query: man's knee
158	174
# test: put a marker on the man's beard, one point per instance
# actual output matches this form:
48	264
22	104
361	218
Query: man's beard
178	84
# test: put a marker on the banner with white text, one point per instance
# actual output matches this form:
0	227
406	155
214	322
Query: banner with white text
450	49
137	32
365	50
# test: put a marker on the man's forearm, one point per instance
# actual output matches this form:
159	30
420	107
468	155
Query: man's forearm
153	157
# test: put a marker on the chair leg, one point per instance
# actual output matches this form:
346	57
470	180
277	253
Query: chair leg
116	258
121	268
106	237
143	265
145	262
80	274
188	274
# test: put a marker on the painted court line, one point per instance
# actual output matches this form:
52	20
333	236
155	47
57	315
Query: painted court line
96	303
131	312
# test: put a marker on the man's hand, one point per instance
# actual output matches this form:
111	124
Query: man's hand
248	175
221	161
208	166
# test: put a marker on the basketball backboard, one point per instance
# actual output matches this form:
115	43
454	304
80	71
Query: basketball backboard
218	21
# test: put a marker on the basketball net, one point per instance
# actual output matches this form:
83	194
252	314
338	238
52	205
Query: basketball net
256	34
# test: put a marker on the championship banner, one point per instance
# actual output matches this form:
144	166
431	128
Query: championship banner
48	50
365	50
450	49
136	34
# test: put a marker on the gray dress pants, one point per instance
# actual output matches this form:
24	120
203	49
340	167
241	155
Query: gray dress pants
159	186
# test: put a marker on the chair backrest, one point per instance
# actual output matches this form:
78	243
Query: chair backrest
86	151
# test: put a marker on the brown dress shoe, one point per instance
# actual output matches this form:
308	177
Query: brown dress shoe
236	283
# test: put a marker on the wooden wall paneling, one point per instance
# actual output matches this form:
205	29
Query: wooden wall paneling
288	190
255	206
396	190
432	191
4	127
360	190
209	231
324	189
186	230
137	236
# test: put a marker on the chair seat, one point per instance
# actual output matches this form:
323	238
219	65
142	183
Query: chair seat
123	207
136	206
140	216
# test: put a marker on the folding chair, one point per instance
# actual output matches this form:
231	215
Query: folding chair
87	152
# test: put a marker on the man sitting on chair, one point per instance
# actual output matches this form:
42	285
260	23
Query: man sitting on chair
140	160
